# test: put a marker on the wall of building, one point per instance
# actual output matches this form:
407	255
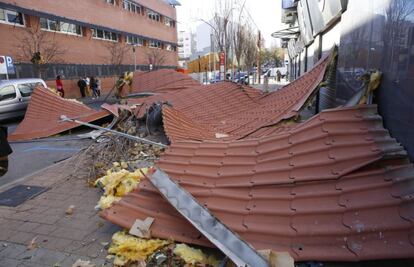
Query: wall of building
77	49
373	34
100	13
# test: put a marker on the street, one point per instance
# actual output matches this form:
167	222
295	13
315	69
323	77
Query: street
30	157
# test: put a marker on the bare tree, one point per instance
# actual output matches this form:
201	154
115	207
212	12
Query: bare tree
239	42
40	48
117	52
396	15
222	25
240	36
156	57
251	50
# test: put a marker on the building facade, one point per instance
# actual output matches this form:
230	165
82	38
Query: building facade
88	37
371	34
186	47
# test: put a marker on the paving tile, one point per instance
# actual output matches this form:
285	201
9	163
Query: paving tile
44	229
71	259
21	238
43	256
44	219
28	227
7	262
5	233
12	251
53	243
73	234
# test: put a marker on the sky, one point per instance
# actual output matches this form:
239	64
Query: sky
266	15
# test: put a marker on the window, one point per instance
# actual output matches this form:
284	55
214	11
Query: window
59	26
154	44
12	17
170	47
25	89
110	2
7	93
135	40
104	35
132	7
154	15
169	22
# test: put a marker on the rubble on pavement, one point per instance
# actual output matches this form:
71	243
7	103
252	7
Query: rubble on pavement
117	184
134	251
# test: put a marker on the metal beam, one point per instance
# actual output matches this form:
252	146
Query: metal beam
132	137
239	251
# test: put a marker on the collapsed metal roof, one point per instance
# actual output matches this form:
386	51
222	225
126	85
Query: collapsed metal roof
229	111
43	114
335	188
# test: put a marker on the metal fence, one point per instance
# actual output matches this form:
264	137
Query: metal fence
75	71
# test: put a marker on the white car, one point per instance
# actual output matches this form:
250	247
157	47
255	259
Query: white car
15	96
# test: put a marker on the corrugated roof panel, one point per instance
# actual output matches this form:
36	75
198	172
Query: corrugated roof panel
231	111
300	197
43	113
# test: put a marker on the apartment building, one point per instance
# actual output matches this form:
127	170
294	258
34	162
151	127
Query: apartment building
89	37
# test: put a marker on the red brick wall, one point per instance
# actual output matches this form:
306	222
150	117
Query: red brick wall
72	90
78	49
101	13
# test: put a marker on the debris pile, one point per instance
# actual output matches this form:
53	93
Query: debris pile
117	184
129	250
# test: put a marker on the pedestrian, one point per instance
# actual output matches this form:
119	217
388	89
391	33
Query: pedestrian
82	87
98	87
5	151
94	87
59	86
88	88
278	75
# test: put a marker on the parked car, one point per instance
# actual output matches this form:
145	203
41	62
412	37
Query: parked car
15	96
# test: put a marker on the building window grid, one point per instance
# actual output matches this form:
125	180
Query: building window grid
154	15
104	35
112	2
133	40
169	22
11	17
170	47
132	7
155	44
59	26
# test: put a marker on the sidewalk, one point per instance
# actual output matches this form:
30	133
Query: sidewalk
61	239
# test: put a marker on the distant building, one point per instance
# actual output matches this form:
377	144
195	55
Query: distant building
85	31
186	46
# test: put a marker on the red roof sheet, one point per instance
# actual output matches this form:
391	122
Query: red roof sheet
326	189
161	81
234	110
43	116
